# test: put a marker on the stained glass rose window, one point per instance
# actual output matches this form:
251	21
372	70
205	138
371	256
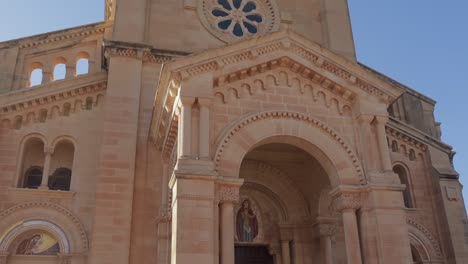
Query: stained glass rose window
232	20
237	17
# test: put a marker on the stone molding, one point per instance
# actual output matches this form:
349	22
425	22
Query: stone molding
406	140
41	107
225	141
55	207
59	36
266	50
434	242
295	79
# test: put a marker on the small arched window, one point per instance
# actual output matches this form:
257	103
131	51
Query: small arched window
32	163
403	175
82	63
35	74
60	180
33	178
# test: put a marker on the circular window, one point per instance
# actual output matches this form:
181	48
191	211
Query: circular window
232	20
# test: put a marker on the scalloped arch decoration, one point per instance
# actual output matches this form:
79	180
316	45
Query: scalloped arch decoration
222	162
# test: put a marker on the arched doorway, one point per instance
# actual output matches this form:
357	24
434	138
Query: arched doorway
285	196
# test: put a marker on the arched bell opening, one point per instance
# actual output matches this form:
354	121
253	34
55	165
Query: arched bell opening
284	201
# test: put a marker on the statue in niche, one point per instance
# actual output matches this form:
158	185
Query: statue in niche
38	244
247	225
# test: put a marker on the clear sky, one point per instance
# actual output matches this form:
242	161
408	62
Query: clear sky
421	43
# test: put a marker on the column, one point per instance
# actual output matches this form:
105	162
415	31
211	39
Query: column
46	172
46	75
227	233
228	195
326	232
285	252
185	128
381	121
204	135
3	257
70	71
348	203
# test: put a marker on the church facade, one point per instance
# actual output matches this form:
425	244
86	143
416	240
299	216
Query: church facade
219	132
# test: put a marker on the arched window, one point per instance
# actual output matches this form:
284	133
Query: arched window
33	178
60	69
82	63
32	164
403	175
60	180
61	165
35	75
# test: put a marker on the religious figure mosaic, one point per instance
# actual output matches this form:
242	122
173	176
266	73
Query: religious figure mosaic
38	244
246	223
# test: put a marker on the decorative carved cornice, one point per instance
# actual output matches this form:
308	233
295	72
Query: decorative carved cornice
281	48
406	139
55	207
40	107
224	142
58	36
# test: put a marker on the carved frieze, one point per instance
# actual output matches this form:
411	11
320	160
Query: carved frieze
227	194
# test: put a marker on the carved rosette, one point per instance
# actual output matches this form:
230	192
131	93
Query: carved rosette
228	194
347	201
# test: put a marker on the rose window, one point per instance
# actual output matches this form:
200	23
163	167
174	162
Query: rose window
238	17
233	20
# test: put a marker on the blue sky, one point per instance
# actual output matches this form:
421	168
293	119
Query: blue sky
421	43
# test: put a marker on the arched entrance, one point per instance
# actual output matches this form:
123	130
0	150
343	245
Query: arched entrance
306	159
284	196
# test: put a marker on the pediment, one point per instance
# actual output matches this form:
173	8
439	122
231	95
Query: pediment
285	49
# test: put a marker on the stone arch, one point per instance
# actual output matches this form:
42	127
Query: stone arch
21	153
423	240
38	225
54	218
304	131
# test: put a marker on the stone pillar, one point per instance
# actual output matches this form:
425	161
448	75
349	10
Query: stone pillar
228	195
185	128
326	232
286	236
115	177
46	172
384	231
204	134
70	71
193	215
46	75
164	219
3	257
285	252
381	121
348	203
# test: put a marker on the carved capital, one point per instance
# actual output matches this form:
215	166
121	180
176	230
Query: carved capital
165	216
48	150
228	194
326	230
347	201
